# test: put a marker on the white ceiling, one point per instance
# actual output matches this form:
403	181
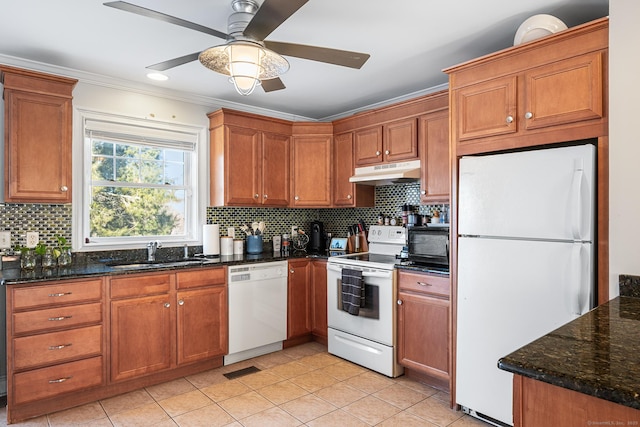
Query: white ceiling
409	43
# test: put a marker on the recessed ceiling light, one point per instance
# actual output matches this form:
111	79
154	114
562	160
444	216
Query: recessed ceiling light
157	76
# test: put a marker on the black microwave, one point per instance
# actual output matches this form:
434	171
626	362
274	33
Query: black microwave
429	246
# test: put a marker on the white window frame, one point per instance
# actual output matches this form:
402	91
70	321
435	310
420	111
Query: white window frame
155	130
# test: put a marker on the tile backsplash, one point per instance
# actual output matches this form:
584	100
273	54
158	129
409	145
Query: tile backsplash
52	220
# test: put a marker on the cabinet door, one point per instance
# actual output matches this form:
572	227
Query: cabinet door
400	140
435	180
564	92
202	324
141	336
319	298
423	334
298	299
367	146
243	166
275	170
311	161
343	194
38	148
486	109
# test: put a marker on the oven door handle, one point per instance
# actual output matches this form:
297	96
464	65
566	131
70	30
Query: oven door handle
381	274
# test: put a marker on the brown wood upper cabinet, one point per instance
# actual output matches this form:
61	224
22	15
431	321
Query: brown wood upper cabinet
249	159
311	156
546	91
37	117
345	193
390	142
433	141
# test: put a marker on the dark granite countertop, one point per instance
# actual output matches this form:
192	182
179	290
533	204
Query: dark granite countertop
16	276
596	354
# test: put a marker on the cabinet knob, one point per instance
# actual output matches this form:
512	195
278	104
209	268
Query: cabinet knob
349	196
255	196
528	115
297	197
265	197
399	302
377	153
64	188
291	271
509	119
387	152
181	302
167	305
423	192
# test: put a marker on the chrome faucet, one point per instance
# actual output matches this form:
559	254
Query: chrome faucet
152	247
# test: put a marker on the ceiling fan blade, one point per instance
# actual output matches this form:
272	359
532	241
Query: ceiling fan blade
272	84
343	58
128	7
163	66
271	14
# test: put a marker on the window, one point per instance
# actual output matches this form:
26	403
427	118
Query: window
140	182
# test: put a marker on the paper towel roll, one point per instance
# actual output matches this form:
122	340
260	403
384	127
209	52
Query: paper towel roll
226	246
211	239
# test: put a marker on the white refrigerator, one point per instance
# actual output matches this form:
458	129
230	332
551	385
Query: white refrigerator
525	262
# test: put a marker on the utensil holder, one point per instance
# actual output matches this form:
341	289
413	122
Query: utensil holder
254	244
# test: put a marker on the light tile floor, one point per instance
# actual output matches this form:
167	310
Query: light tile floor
299	386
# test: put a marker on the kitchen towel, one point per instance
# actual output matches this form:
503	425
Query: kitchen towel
211	239
352	291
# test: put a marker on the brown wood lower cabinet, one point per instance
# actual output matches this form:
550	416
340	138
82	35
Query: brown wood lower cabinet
536	403
146	328
298	299
424	326
319	300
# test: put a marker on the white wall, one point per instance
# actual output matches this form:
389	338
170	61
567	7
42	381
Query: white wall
624	141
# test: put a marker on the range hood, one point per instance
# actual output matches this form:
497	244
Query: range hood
387	173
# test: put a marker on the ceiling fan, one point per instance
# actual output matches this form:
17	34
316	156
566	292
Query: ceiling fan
246	57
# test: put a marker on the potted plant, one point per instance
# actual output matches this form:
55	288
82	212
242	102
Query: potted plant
62	252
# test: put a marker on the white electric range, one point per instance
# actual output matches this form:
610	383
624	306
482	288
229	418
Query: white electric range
369	338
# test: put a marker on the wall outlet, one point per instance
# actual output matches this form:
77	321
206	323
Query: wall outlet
32	239
294	230
5	240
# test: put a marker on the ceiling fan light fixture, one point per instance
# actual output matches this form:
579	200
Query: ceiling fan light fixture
245	62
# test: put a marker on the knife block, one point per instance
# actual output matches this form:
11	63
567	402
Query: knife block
351	243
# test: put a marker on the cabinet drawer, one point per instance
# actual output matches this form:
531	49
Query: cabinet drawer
56	347
59	293
56	318
424	283
48	382
140	285
200	277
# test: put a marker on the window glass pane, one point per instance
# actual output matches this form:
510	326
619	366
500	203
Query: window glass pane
125	150
152	172
102	147
128	211
151	153
102	168
127	170
174	173
174	156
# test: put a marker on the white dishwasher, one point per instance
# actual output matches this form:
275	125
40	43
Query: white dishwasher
257	309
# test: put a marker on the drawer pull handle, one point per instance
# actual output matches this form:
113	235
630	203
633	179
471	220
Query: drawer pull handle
424	284
59	380
59	347
57	319
60	294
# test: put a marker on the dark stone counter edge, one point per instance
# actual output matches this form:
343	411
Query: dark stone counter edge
19	277
618	396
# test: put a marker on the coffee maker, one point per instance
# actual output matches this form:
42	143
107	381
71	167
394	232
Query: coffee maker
317	242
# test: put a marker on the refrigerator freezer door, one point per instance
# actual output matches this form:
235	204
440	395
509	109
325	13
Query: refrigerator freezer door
511	292
542	194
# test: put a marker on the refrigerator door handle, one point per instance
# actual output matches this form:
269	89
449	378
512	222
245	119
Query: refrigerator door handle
577	202
580	284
